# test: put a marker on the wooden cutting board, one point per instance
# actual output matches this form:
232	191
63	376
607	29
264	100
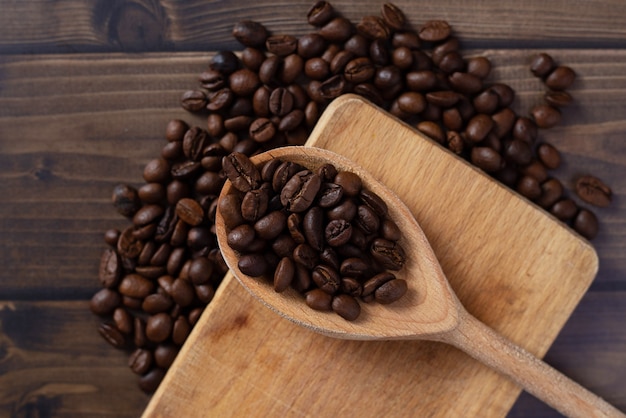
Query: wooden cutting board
512	265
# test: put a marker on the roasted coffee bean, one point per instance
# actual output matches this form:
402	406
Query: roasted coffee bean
592	190
299	192
355	267
367	219
110	270
434	31
159	327
541	64
479	127
312	226
123	320
432	130
338	29
549	156
486	158
388	254
586	224
452	62
126	200
254	204
193	100
546	116
525	129
148	214
503	122
346	306
150	381
551	192
135	286
561	78
564	209
392	16
180	330
271	225
390	291
505	92
241	172
305	255
112	335
284	274
326	278
240	237
465	83
486	102
140	361
311	45
151	193
250	33
537	170
373	283
373	27
558	98
189	211
104	301
529	187
175	130
518	152
281	45
338	232
254	265
320	13
156	303
479	66
157	171
319	300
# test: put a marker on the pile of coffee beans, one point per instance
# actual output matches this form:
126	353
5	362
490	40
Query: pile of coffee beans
321	233
158	274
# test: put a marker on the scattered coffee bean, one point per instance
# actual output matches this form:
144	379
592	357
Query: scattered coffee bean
265	100
592	190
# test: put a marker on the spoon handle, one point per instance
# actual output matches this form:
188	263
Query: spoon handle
536	377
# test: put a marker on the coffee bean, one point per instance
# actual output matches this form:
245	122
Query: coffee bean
281	45
159	327
551	192
180	330
479	127
253	265
193	100
564	209
389	254
320	13
592	190
390	291
479	66
112	335
241	172
346	306
392	16
126	200
529	187
486	159
586	224
105	301
518	152
327	279
110	270
271	225
373	27
140	361
541	64
558	98
150	381
546	116
299	192
319	300
250	33
338	29
549	156
156	303
561	78
434	31
284	274
465	83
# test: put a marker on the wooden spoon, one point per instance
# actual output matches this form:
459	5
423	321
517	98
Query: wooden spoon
430	310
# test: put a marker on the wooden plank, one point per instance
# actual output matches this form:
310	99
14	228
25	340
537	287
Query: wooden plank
54	363
61	151
527	298
140	25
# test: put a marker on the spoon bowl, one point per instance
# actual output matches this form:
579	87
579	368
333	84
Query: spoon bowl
430	310
429	307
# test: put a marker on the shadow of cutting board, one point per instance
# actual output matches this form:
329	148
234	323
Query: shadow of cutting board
513	266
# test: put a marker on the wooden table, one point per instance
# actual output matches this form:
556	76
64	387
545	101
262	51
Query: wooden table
86	88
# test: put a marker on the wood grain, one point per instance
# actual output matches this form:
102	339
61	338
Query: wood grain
557	268
41	26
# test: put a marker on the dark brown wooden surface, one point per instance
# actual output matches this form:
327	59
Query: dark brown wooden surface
81	110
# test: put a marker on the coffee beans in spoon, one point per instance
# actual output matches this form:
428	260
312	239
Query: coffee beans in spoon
314	229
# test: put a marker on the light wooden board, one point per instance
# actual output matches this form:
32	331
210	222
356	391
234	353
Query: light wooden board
513	267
